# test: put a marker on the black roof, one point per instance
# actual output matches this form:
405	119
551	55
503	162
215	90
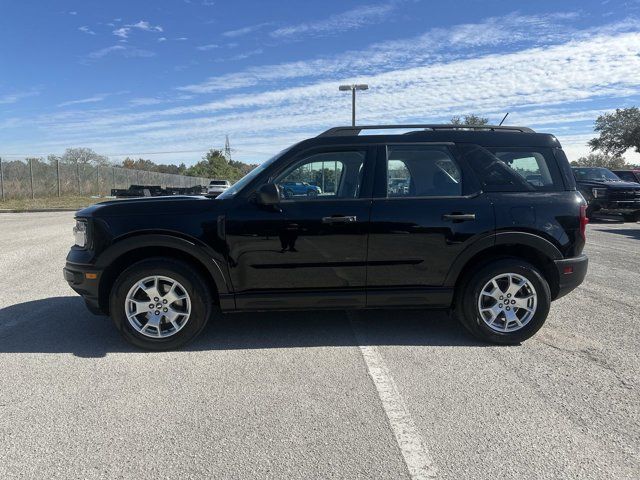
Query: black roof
486	135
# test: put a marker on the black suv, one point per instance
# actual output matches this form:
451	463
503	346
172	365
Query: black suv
605	192
487	223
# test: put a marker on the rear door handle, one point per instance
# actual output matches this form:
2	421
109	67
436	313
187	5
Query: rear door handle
459	217
340	219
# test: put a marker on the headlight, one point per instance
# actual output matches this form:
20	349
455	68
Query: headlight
80	233
599	192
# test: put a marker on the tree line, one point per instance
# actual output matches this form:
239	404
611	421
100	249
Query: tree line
213	164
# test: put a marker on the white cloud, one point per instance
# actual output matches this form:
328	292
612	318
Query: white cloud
349	20
93	99
204	48
146	26
162	39
143	25
10	98
435	45
122	32
245	30
86	30
73	13
123	50
144	101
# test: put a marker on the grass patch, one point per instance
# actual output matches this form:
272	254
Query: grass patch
27	204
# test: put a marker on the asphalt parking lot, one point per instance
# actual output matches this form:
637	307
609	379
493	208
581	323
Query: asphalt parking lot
296	395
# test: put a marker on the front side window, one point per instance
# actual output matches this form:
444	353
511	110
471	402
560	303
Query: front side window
327	175
422	171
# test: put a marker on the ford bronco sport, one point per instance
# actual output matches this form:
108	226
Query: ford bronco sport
486	222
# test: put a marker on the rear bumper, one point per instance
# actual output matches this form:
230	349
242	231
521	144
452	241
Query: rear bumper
571	273
80	279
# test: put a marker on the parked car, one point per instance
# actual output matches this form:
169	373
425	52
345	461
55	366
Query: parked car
293	189
470	234
216	187
606	193
628	175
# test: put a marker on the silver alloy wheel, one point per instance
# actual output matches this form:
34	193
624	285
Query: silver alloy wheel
507	302
158	307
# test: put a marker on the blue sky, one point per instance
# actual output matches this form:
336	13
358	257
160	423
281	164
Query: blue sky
168	79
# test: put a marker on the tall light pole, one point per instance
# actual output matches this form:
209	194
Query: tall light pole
353	88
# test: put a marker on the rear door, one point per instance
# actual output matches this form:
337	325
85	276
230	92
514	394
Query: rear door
427	209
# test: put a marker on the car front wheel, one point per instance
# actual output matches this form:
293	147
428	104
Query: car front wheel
160	304
505	302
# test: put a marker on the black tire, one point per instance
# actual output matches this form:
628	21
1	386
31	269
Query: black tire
466	308
189	278
312	193
632	217
589	212
288	194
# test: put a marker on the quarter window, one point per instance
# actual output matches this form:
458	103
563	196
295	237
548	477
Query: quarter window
422	171
513	169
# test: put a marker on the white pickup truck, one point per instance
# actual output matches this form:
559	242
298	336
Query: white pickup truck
216	187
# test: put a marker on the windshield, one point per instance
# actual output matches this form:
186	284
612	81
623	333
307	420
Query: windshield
240	184
218	182
598	174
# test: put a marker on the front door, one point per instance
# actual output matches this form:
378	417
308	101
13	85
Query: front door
427	210
311	249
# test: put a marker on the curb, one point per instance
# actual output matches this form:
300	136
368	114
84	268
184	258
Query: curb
36	210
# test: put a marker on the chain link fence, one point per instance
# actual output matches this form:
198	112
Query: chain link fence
35	178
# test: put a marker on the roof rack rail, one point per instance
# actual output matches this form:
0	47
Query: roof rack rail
354	131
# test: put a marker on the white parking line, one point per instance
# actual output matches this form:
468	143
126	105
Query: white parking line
412	446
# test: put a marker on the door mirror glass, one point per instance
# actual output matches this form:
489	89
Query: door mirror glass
268	194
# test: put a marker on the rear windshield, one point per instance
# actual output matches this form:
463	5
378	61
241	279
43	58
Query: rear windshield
514	169
218	182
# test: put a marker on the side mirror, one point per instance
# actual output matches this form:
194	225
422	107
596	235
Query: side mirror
268	194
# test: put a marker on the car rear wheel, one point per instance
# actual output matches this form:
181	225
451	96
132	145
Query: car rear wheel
160	304
506	302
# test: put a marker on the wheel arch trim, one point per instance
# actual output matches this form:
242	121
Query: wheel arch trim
542	245
212	261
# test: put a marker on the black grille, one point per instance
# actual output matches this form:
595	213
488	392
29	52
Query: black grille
630	194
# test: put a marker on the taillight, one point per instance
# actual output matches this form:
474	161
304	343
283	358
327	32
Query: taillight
583	221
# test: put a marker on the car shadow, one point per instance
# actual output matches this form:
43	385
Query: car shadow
604	220
633	233
63	325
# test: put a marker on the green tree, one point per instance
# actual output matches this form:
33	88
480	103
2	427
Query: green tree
618	131
600	160
472	120
215	165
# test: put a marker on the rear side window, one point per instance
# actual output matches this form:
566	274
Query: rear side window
422	171
514	169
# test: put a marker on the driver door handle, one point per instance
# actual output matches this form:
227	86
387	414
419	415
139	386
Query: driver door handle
340	219
459	217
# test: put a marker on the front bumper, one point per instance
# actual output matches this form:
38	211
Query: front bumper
85	280
571	273
618	206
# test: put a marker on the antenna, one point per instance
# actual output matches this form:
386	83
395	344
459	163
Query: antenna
503	119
